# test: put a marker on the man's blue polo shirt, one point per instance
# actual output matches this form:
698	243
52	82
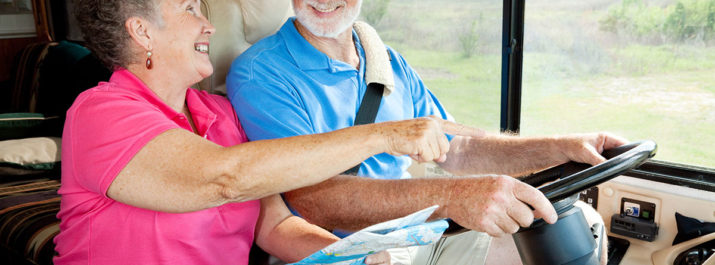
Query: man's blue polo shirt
283	86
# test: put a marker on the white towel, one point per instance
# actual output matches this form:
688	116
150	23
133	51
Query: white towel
377	60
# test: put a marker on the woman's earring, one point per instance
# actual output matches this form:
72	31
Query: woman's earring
148	60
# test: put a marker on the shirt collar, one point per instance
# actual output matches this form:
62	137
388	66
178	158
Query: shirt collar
126	80
305	55
204	117
202	114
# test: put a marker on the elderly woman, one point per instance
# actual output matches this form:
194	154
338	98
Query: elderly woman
154	172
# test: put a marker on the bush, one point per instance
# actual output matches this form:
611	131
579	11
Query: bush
690	20
686	20
469	38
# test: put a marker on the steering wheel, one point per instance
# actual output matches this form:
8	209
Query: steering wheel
579	176
572	177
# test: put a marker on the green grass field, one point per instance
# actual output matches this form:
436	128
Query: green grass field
576	77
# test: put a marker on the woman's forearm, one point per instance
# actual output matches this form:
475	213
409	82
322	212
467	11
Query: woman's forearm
288	237
257	169
261	168
178	171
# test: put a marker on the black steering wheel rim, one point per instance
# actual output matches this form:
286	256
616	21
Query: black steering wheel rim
572	177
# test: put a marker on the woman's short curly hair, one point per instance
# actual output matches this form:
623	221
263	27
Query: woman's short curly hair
102	25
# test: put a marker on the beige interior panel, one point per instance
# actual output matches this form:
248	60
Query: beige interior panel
667	256
710	261
668	199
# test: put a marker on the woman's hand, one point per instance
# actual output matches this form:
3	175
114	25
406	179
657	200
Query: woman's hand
423	138
380	258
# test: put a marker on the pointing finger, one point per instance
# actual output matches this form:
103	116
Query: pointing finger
460	129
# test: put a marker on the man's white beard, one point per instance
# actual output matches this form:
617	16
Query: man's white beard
331	27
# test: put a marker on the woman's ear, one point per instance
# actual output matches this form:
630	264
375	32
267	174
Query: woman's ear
138	29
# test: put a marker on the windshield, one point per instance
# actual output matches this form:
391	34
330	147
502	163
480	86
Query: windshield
639	69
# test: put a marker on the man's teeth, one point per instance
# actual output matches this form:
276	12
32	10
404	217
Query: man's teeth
326	9
201	48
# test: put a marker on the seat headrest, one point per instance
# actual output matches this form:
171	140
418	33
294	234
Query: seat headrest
239	24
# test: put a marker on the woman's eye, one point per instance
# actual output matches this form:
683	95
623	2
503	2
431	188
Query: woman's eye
191	9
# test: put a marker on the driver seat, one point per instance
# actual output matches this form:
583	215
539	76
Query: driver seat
239	24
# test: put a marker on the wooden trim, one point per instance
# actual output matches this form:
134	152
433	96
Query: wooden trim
39	10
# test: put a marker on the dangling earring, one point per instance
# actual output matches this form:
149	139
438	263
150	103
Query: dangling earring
148	60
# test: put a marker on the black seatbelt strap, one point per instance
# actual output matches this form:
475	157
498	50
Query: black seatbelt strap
367	112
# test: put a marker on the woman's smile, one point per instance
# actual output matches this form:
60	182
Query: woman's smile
202	47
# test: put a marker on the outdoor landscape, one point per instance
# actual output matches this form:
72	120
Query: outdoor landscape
640	69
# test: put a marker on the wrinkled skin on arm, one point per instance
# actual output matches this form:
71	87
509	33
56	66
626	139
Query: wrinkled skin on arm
291	238
516	156
492	204
496	204
178	171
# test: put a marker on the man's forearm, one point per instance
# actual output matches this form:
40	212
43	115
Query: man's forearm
352	203
501	154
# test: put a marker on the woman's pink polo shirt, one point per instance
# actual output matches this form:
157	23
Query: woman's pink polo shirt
106	126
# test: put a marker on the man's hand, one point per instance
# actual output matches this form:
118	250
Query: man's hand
424	138
379	258
587	148
496	205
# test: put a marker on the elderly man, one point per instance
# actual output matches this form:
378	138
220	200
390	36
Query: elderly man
310	78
